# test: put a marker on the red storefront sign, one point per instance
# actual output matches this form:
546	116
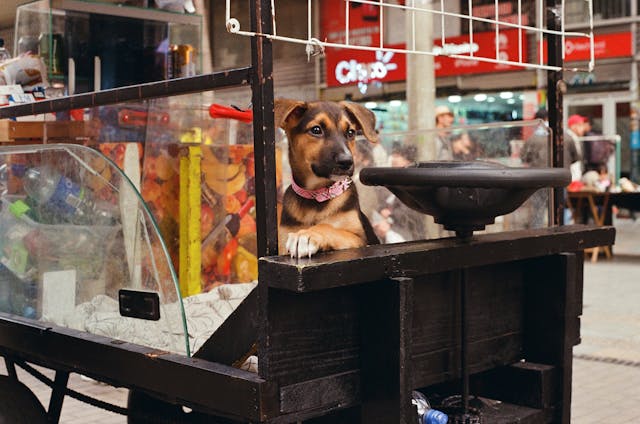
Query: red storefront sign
484	45
364	23
605	46
344	66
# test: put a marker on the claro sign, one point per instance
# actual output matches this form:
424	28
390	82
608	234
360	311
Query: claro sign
349	71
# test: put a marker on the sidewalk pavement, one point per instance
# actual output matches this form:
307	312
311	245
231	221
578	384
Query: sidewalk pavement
606	367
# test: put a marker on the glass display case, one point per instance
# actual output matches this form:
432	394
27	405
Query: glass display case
187	233
79	248
87	45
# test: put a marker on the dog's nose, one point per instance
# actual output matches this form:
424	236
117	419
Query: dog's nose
344	161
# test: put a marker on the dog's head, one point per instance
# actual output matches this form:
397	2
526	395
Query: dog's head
322	138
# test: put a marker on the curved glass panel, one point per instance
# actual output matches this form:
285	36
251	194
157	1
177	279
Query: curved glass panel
80	249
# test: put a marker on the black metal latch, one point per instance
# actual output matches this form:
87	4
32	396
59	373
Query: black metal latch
139	304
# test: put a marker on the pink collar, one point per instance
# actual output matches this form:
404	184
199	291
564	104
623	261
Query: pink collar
325	193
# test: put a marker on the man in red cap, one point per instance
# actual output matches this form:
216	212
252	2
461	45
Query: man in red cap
572	145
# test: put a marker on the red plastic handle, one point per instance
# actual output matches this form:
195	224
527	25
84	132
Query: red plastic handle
246	208
219	111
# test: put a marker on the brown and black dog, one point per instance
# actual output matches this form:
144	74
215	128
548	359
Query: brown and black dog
320	210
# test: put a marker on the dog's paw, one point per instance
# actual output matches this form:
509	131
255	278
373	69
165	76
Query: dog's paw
302	244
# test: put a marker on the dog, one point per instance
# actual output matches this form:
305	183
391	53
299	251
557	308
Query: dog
320	209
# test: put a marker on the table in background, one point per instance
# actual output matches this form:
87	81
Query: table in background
598	206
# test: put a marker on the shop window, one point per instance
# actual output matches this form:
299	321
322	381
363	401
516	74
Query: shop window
602	9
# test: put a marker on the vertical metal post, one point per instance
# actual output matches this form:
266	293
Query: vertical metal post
555	88
265	163
263	129
57	396
464	336
11	369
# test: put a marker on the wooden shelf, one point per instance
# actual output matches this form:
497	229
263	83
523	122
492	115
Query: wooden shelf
40	132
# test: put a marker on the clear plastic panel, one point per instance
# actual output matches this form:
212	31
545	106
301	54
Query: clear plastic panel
516	144
74	232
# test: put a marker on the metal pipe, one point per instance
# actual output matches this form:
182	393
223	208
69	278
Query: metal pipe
464	339
173	87
264	130
555	88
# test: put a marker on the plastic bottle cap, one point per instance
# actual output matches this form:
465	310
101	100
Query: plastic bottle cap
19	208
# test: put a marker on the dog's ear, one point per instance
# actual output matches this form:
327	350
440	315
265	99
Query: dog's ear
287	112
365	119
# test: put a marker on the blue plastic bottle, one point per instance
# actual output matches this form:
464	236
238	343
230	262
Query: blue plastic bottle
427	415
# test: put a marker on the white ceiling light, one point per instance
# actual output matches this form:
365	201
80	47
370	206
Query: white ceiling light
491	99
511	101
370	105
395	103
455	99
481	97
506	95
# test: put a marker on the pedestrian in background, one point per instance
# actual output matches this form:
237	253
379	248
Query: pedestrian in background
444	120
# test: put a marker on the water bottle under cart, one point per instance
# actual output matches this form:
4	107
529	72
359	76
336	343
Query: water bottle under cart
427	415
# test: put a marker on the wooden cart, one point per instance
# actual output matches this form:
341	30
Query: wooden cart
346	336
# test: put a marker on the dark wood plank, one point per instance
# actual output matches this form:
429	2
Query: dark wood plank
348	416
551	321
235	337
311	335
495	298
507	413
201	385
522	383
327	392
338	415
373	263
386	352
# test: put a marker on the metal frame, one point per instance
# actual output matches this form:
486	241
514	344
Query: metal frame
315	45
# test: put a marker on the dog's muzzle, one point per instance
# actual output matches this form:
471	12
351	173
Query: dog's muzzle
344	162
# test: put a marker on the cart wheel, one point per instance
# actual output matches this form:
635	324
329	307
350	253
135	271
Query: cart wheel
145	409
19	405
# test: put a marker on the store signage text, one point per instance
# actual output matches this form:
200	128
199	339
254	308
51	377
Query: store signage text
350	71
364	66
604	46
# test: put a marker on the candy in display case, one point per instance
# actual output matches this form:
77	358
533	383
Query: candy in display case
204	158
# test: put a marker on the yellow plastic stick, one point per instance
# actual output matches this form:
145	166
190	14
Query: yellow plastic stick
190	253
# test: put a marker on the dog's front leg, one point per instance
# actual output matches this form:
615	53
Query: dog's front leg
321	237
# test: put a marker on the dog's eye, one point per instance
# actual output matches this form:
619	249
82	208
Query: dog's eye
351	133
316	130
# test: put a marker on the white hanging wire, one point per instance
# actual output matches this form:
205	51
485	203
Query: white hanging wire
316	46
